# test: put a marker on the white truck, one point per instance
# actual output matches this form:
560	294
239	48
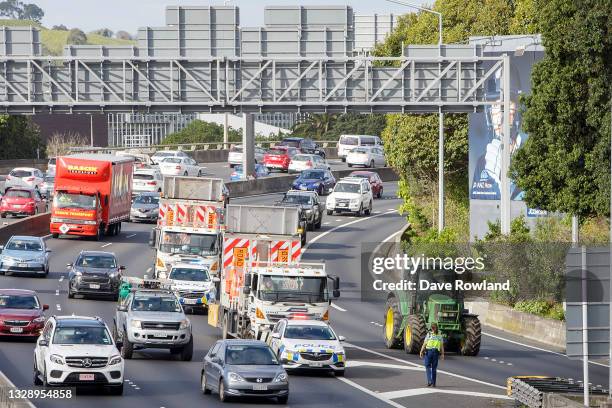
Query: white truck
189	224
263	279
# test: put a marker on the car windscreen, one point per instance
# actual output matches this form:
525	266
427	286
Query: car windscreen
236	354
143	303
359	150
18	194
52	161
278	288
277	152
190	274
163	154
146	199
96	261
307	174
346	188
298	199
236	149
302	157
189	244
171	160
20	173
360	175
49	179
307	332
19	302
143	176
24	245
81	201
291	143
349	140
82	335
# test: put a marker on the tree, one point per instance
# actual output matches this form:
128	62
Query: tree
76	37
60	143
314	126
123	35
32	12
356	124
565	164
15	9
60	27
10	8
19	138
104	32
199	131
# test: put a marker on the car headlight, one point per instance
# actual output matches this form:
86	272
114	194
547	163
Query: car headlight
330	201
354	201
90	222
114	360
6	258
57	359
40	319
281	377
308	211
136	324
78	273
185	323
112	275
41	259
235	377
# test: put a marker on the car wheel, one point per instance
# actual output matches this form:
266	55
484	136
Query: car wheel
380	193
187	351
339	373
283	399
2	215
320	190
318	224
99	234
116	389
127	349
330	212
311	226
70	292
203	384
43	376
37	380
372	164
55	236
199	173
185	174
349	164
222	396
369	210
360	211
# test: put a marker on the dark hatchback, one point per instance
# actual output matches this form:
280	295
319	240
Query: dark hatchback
95	273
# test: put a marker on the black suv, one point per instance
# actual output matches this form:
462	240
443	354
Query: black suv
311	208
307	146
95	273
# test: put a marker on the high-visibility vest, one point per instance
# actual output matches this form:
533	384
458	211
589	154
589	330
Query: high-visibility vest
433	341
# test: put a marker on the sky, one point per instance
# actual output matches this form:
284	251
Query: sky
128	15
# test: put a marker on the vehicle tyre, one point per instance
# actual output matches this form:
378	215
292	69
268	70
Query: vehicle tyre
303	239
320	190
37	380
199	173
369	210
115	334
311	226
350	165
414	334
46	272
44	381
360	211
392	323
222	396
380	193
55	236
343	159
330	212
116	389
70	292
283	399
339	373
100	233
470	345
372	164
187	350
127	349
118	227
224	327
318	224
2	215
203	384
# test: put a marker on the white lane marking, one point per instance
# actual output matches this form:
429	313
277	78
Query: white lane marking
509	364
46	236
418	365
538	348
58	307
326	223
338	220
335	306
501	361
57	292
390	237
318	237
376	324
486	358
61	278
131	235
149	270
423	391
105	245
372	393
4	379
353	363
493	360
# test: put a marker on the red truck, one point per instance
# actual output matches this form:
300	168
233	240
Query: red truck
92	195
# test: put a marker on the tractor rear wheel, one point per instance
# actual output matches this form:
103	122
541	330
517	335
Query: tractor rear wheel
392	324
470	345
414	334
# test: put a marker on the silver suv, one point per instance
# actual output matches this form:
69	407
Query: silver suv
153	319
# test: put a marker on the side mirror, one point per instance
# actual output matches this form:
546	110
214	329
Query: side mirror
45	307
336	293
152	237
43	343
336	283
122	308
216	360
122	268
276	335
216	279
246	290
248	280
48	251
341	338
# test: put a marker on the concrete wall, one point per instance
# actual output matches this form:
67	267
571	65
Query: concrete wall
37	225
540	329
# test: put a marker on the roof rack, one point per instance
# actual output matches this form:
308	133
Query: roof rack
146	283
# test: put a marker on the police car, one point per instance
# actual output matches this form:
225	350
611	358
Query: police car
193	285
308	344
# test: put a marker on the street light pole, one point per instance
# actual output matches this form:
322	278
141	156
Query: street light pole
441	119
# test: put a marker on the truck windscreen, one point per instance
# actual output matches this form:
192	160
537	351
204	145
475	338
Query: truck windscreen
81	201
292	288
189	244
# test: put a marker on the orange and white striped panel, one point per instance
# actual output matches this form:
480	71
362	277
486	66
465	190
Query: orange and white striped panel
285	252
296	251
231	245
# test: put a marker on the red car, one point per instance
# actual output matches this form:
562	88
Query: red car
279	157
376	183
22	201
21	313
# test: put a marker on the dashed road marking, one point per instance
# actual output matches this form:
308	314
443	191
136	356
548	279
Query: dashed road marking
61	278
335	306
376	324
338	220
58	307
57	292
131	235
105	245
149	270
326	223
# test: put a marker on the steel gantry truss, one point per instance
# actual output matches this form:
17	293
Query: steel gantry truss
357	84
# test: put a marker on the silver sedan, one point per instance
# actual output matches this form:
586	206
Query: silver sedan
24	254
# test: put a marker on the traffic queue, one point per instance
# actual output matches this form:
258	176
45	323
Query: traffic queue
239	264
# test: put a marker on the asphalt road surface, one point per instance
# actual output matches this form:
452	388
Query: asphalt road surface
375	377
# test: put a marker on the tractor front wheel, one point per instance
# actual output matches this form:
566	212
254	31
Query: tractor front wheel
392	324
414	334
470	345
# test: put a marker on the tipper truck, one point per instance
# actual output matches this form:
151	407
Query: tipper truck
92	195
263	279
189	224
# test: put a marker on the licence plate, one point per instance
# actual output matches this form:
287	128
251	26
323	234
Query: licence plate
342	205
86	377
159	335
16	329
316	364
141	215
260	387
23	265
94	286
190	301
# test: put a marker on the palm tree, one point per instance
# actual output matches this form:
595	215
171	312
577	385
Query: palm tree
315	126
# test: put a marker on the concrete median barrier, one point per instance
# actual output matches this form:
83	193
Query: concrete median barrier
37	225
7	165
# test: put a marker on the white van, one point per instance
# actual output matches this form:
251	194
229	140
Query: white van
349	142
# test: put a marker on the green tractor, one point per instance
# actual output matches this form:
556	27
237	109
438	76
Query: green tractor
409	315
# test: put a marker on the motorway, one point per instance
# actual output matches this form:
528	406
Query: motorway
375	377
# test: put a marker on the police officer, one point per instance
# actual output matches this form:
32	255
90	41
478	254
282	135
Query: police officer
433	347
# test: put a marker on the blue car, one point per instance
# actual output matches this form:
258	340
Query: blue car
319	180
260	171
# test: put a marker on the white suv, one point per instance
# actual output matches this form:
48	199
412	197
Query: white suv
351	194
75	351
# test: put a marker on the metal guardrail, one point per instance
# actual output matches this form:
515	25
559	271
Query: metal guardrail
534	391
188	147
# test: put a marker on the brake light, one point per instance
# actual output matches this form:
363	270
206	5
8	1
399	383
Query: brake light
309	163
178	167
9	177
30	179
151	183
299	316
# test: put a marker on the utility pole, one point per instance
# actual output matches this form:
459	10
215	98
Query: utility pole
505	200
91	135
